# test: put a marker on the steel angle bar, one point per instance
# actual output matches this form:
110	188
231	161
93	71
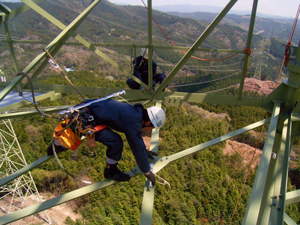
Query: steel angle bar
211	99
60	199
131	46
4	8
25	169
148	196
215	141
256	205
21	9
195	46
199	49
288	220
10	45
84	42
150	47
147	205
54	46
277	178
248	46
292	197
9	104
286	146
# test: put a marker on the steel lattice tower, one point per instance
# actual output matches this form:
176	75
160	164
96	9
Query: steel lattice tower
21	191
269	195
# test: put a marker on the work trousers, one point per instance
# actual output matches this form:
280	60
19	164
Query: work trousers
112	141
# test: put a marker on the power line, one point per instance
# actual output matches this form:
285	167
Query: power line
204	82
221	89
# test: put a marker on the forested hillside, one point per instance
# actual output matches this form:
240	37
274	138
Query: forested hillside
266	27
205	186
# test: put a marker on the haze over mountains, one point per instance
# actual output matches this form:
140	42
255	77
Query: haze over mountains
188	8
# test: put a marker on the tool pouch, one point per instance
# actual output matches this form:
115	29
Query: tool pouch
90	140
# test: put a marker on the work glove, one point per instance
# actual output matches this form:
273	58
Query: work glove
151	154
151	177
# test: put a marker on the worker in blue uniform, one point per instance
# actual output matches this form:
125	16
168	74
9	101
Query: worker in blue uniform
140	70
130	120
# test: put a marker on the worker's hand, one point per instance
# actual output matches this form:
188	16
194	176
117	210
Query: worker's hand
151	177
151	154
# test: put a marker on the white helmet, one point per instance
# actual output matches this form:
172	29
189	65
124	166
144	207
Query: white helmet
157	116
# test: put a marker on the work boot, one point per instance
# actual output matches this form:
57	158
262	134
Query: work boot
112	172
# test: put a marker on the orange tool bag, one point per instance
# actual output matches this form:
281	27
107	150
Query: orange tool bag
66	136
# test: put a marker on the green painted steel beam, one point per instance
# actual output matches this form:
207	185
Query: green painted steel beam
159	163
171	97
292	197
168	98
56	44
288	220
150	47
216	140
87	44
131	46
269	182
53	47
147	205
275	205
24	170
21	9
195	46
52	95
10	45
248	46
255	206
148	196
285	155
5	8
14	216
25	113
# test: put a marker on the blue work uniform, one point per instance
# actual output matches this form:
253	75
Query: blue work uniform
124	118
141	72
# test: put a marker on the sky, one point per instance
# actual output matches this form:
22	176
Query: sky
286	8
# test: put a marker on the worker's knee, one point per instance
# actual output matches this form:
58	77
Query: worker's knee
132	84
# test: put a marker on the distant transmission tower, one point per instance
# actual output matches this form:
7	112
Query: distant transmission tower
22	192
260	63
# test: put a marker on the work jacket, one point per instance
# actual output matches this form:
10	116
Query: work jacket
141	68
127	119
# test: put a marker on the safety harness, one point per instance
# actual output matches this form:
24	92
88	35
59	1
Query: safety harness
69	131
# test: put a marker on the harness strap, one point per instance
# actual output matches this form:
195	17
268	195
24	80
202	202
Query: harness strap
99	127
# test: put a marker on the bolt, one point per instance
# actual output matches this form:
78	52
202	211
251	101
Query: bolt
278	208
